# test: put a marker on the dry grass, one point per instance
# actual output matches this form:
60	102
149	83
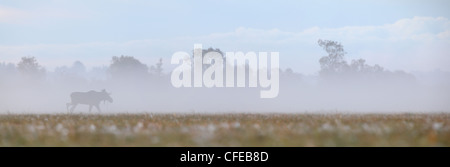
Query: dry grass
225	130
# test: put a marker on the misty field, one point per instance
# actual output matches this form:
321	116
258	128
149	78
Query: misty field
225	130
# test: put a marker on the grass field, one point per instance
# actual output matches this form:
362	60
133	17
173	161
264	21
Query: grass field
225	130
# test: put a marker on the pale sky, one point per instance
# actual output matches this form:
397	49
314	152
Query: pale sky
410	35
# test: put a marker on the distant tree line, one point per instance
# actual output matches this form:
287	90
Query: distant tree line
332	66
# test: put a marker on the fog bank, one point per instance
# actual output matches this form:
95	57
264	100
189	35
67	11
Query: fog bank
339	86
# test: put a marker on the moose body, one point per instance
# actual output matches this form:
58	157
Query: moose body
91	98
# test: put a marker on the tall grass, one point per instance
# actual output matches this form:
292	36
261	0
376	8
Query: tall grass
225	130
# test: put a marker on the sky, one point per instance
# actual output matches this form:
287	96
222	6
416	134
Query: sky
410	35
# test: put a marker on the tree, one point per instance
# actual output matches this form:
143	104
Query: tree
334	62
158	69
360	66
76	74
210	49
289	71
126	67
78	67
6	68
29	67
7	72
335	66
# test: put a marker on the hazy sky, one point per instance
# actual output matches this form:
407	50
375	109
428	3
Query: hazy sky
402	34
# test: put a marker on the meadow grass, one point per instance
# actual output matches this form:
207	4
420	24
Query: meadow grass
149	129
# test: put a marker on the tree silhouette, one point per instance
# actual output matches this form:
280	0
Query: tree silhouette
126	67
210	49
157	70
7	68
78	67
333	63
29	67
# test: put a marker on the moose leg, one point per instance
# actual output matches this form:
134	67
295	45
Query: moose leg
98	108
73	107
67	106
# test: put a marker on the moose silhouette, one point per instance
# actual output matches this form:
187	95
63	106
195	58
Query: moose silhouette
91	98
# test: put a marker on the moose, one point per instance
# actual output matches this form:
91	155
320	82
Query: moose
91	98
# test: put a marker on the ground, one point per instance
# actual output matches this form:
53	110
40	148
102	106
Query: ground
149	129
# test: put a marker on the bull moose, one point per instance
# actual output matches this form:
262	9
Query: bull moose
91	98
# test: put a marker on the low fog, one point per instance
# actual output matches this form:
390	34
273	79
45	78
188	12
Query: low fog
340	85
